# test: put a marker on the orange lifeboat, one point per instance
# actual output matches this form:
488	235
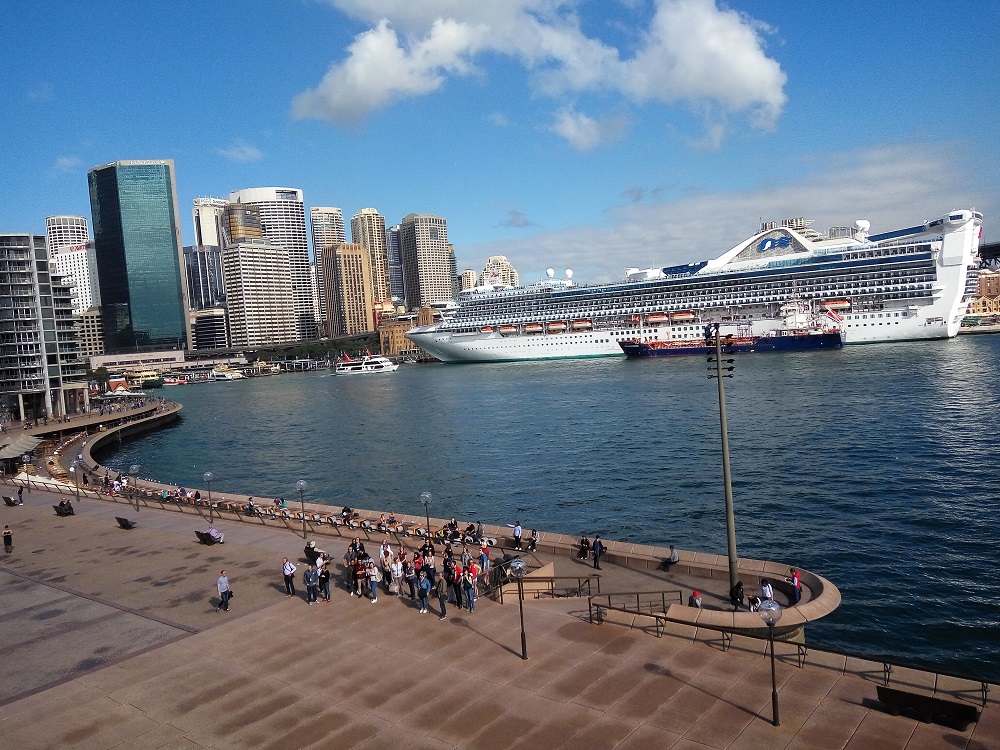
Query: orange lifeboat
835	304
533	328
582	325
656	318
634	319
486	329
557	326
682	316
508	329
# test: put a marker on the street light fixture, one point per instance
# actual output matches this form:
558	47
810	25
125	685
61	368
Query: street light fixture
133	470
770	613
25	459
723	368
207	476
425	498
302	484
76	479
518	567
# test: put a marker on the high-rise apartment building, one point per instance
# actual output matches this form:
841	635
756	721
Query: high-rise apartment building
211	328
259	294
347	270
65	231
368	229
498	271
91	337
467	279
79	263
429	266
327	223
283	223
41	371
140	261
394	254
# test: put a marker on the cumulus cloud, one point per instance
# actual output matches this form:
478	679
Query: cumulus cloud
499	119
687	51
584	133
68	163
892	186
240	151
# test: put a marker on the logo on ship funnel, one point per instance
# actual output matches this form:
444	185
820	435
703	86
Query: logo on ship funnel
772	243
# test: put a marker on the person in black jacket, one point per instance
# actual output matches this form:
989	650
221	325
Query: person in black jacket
598	550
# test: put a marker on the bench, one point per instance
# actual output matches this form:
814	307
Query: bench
206	538
62	511
9	501
125	523
928	708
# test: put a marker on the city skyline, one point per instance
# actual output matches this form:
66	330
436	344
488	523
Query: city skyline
591	136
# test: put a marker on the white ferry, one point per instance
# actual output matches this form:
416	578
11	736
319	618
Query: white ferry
908	284
367	365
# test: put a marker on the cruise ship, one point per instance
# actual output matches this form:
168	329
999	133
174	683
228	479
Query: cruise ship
907	284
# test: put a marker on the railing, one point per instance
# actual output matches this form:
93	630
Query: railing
646	603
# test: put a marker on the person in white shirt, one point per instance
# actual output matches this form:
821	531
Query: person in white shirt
766	591
216	535
288	571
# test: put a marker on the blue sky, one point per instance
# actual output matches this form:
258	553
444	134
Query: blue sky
589	135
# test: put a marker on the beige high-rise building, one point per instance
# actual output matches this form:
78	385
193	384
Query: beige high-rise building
91	343
258	281
209	221
347	279
499	272
368	229
467	280
429	267
65	231
327	225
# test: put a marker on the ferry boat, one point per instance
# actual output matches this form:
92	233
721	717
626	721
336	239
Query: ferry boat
803	329
906	284
365	366
223	371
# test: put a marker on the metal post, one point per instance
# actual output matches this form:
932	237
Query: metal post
208	477
134	471
774	681
726	475
301	484
520	606
73	467
425	498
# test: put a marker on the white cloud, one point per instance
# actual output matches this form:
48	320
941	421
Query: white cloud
240	151
892	186
68	163
584	133
517	220
691	51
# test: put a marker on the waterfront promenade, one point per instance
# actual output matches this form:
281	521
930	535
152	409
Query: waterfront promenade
111	640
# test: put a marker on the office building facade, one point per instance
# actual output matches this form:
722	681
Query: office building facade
499	271
65	231
327	226
208	215
140	261
395	258
283	223
347	269
79	263
41	368
429	266
203	266
368	229
259	294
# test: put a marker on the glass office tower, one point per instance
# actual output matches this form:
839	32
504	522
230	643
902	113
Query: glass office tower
139	255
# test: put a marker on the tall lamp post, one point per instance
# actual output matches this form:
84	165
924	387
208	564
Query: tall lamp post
82	467
133	470
208	477
770	613
76	479
302	484
722	369
517	569
24	460
425	498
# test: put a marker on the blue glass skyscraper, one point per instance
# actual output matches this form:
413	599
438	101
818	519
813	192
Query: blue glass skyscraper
139	255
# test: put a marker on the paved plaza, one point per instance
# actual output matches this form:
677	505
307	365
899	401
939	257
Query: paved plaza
111	640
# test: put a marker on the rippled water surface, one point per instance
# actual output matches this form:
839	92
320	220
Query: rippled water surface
873	466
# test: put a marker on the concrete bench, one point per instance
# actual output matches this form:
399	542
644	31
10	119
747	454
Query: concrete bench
125	523
928	708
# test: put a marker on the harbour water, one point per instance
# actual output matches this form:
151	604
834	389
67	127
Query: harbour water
873	466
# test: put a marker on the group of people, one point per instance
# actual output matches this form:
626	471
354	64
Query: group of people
453	577
737	594
591	548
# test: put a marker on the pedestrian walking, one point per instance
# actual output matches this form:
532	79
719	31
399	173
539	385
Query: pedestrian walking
598	550
311	580
442	594
20	495
8	539
517	533
288	571
324	583
225	593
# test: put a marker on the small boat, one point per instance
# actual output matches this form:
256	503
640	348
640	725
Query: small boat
175	380
557	326
683	316
533	328
835	304
508	329
582	325
657	318
225	372
365	366
486	329
634	319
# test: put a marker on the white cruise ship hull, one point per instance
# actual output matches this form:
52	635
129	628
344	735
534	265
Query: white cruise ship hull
901	286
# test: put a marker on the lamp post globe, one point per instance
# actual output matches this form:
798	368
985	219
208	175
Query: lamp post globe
301	485
25	458
425	498
76	479
518	567
770	613
208	477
